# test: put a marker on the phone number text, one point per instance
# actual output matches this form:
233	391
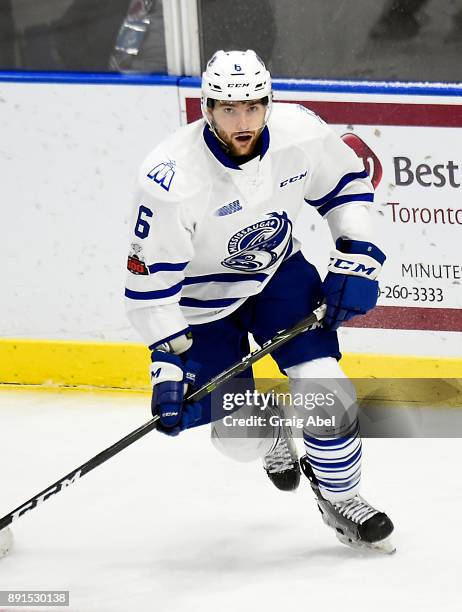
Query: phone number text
414	294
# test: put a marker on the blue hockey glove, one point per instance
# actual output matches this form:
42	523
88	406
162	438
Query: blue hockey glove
170	378
350	287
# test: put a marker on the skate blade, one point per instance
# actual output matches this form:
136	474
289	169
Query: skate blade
384	546
6	541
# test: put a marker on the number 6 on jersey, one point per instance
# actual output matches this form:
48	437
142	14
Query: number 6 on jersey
142	226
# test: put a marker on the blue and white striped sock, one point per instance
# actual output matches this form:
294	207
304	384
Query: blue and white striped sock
336	463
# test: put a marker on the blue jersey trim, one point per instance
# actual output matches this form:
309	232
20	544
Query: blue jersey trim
87	78
164	266
354	197
265	141
225	277
153	295
217	150
347	178
410	88
195	303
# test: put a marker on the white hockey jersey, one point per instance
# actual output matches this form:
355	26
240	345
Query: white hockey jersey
208	233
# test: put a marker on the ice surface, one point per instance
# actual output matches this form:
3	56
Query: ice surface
171	525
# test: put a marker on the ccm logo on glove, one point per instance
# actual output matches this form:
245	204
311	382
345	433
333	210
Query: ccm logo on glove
362	265
350	287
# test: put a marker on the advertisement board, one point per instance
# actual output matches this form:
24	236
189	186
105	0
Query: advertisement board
410	146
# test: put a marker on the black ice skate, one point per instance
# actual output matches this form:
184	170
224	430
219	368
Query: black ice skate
356	523
281	463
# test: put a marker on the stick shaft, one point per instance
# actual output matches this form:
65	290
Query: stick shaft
278	340
77	473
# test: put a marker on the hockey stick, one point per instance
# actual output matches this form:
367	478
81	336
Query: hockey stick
278	340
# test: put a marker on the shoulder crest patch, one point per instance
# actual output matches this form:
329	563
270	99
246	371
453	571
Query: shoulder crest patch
163	174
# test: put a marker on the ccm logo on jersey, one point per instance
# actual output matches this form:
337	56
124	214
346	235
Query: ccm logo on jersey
163	174
293	179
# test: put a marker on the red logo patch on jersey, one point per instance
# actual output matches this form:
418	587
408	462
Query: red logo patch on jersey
135	266
371	162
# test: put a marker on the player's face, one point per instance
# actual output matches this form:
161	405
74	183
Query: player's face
239	124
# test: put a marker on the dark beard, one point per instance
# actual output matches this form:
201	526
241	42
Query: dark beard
242	159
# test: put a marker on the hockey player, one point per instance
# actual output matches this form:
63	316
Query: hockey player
214	257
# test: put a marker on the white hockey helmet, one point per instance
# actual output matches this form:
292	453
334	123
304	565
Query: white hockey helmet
235	76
